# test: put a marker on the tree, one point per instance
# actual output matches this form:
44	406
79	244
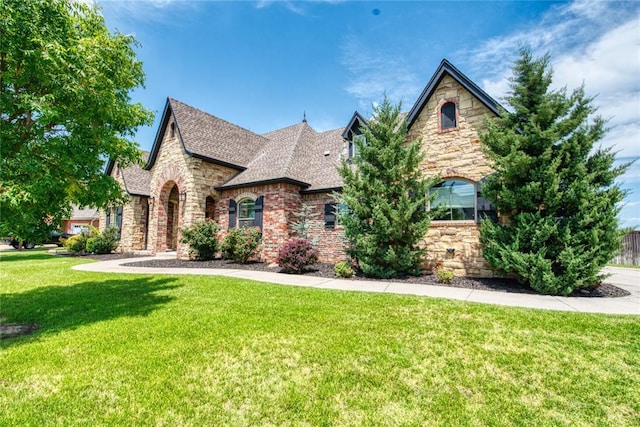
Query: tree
385	195
64	109
557	193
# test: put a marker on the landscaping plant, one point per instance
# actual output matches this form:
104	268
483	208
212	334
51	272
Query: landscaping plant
444	276
103	243
297	254
343	269
556	191
386	195
241	244
76	244
202	238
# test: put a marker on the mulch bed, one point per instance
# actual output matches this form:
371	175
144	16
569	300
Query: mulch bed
605	290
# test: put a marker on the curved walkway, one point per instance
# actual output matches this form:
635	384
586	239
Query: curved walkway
625	278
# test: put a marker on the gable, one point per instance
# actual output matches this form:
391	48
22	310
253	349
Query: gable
207	137
447	69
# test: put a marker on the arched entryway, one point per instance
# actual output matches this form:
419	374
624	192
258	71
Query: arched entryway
173	218
169	217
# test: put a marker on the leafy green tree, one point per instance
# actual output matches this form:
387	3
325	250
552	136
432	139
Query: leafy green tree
385	194
64	109
556	191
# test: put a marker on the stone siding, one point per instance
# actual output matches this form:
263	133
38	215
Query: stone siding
454	153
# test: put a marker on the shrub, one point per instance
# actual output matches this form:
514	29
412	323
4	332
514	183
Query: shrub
444	276
76	244
343	269
202	238
241	244
296	254
105	242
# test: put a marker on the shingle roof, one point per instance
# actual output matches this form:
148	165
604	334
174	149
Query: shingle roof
137	181
84	213
209	137
295	154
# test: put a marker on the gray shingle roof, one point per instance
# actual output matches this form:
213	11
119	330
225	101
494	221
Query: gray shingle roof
84	213
212	138
296	154
137	180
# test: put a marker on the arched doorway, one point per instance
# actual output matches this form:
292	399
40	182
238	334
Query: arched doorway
173	212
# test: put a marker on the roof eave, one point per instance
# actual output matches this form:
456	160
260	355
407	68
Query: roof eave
282	180
468	84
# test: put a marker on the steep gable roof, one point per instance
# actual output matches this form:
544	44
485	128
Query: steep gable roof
208	137
136	179
446	67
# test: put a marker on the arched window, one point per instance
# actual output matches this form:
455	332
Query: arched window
456	200
246	213
448	116
173	130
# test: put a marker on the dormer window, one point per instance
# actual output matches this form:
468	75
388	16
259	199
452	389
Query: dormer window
448	116
353	149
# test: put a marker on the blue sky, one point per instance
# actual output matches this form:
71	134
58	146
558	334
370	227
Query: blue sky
263	64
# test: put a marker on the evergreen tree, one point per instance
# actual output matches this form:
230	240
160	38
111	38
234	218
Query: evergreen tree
385	195
557	193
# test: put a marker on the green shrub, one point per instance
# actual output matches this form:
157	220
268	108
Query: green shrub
295	255
103	243
76	244
343	269
241	244
202	238
444	276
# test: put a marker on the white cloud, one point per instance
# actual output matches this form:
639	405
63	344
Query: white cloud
592	42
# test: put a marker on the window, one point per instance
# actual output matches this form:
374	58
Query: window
457	200
448	116
247	211
210	208
119	220
330	215
353	149
173	130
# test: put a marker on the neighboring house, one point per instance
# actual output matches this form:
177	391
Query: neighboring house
201	167
81	219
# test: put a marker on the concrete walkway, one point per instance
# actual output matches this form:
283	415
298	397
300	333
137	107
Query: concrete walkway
625	278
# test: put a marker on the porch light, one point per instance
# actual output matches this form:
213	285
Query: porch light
183	196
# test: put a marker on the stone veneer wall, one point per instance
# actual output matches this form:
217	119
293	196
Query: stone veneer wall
454	153
193	177
132	232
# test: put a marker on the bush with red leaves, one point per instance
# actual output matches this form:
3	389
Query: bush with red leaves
295	255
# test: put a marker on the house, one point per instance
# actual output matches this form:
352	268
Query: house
201	166
81	219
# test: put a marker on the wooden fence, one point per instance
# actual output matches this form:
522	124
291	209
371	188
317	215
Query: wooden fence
630	254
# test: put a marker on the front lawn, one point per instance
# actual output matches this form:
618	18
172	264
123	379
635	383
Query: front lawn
195	350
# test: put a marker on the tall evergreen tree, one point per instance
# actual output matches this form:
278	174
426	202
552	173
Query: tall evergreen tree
557	193
385	195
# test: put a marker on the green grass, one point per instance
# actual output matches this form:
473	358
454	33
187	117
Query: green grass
194	350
